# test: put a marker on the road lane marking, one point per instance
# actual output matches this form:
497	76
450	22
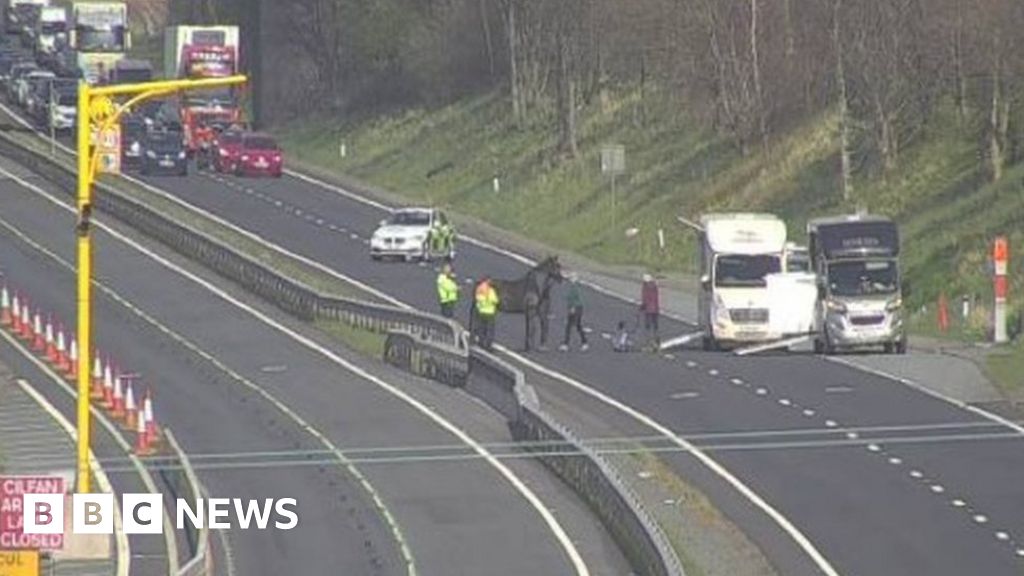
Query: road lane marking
526	492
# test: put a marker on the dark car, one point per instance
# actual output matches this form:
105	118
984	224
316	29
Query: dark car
133	138
164	153
259	154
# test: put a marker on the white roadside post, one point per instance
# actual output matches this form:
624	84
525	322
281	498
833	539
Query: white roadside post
1000	256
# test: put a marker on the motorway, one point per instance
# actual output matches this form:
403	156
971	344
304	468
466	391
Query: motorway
235	381
946	506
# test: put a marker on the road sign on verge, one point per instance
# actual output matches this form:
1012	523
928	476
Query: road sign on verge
19	563
12	489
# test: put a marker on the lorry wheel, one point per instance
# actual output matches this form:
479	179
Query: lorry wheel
819	348
709	344
901	346
888	347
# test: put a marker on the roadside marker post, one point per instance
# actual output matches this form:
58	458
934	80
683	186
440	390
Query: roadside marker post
1000	257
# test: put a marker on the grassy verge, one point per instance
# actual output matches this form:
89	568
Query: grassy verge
363	341
1005	366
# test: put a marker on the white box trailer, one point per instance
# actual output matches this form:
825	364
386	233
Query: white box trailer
177	37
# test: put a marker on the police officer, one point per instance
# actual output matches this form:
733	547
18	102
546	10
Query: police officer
486	310
447	291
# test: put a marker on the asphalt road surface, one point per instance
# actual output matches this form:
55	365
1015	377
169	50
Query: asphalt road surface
889	506
211	364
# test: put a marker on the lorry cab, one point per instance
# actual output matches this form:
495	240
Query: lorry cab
856	259
738	251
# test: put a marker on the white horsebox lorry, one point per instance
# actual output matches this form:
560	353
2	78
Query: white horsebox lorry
738	251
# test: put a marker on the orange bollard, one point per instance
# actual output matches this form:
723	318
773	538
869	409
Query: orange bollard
131	410
5	307
142	447
152	432
97	378
117	406
108	386
72	371
943	313
62	350
51	341
16	315
38	336
26	321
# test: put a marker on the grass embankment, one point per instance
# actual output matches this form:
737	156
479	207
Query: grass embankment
947	210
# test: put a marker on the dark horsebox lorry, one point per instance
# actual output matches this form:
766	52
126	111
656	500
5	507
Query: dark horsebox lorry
860	300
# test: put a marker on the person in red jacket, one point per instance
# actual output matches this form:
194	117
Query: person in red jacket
650	305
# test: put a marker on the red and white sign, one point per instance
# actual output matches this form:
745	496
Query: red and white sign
12	490
1001	255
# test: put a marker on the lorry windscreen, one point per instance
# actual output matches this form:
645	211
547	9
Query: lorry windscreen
863	278
92	39
745	271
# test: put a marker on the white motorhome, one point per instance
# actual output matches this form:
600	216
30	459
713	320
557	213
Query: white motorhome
738	251
856	259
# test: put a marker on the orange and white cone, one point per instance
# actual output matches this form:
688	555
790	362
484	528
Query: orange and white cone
72	370
142	447
62	350
5	307
97	378
152	432
108	386
51	342
38	336
16	314
26	321
131	410
117	409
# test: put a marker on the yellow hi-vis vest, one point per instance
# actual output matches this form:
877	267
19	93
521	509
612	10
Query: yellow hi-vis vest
447	289
486	300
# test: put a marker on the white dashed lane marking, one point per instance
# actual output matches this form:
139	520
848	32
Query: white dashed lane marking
737	381
895	461
916	474
959	503
980	518
713	372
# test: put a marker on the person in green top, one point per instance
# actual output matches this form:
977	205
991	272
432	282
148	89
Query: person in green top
574	318
447	291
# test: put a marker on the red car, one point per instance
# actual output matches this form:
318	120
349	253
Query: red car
227	149
259	154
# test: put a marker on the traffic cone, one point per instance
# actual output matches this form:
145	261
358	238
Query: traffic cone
38	337
26	321
131	410
51	342
97	378
152	432
108	386
5	307
142	447
72	370
15	315
62	350
117	408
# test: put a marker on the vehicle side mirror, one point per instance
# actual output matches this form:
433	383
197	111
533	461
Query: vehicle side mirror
383	222
705	282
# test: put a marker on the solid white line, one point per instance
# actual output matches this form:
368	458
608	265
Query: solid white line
123	551
568	546
933	393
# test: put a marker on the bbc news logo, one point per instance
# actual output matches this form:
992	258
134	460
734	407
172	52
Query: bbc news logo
43	514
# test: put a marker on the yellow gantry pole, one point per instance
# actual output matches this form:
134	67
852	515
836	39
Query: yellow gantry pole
86	174
83	235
